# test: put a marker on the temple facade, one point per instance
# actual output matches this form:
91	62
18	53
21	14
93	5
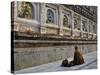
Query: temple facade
47	32
55	19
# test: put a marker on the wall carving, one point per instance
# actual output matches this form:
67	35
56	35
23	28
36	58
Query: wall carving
84	25
50	16
26	10
77	22
65	21
52	30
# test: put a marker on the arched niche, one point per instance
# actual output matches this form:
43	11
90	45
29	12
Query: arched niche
26	10
50	16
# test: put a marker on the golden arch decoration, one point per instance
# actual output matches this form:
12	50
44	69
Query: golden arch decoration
65	21
26	10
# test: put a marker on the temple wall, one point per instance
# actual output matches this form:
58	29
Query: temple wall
28	49
40	23
28	57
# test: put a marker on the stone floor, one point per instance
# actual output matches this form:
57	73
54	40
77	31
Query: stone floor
90	63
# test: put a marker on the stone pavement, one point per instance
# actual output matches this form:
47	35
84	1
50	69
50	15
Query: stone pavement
90	63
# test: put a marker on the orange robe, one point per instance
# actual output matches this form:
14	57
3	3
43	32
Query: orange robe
78	58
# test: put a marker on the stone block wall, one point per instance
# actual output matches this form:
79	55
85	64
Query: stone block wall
29	57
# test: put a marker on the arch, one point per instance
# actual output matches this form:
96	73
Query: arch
50	16
26	10
94	28
75	23
65	21
84	26
89	26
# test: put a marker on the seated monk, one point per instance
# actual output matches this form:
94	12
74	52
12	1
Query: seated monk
78	58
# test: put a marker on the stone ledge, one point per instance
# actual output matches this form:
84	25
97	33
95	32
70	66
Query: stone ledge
43	43
38	36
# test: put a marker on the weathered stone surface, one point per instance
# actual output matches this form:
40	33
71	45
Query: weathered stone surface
27	57
89	58
37	47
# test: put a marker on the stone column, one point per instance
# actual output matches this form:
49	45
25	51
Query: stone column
15	10
92	27
42	19
88	27
15	25
60	20
72	27
95	28
81	29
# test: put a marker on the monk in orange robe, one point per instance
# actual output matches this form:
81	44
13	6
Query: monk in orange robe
78	57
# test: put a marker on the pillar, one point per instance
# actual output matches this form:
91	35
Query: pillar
72	27
81	29
60	21
42	19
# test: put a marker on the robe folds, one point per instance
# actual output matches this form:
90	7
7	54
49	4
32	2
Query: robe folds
78	57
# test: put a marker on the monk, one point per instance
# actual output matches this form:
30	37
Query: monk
78	58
